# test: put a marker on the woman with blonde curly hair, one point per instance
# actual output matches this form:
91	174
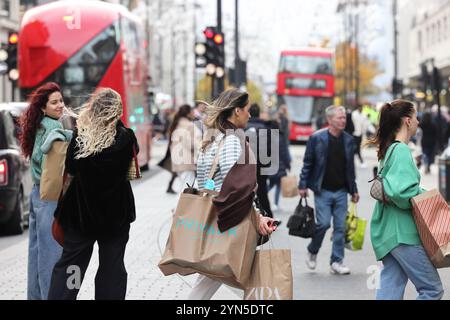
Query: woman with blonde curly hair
99	203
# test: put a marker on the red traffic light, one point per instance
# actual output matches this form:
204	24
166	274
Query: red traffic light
218	38
13	38
209	33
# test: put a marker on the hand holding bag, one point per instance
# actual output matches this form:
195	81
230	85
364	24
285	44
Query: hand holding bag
377	189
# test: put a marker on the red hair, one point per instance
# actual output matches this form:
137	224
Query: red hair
31	119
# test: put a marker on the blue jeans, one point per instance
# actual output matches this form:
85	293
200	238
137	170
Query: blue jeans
275	182
409	262
43	250
330	205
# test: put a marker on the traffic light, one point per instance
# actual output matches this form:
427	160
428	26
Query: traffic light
424	77
11	61
200	58
219	43
397	87
437	80
214	52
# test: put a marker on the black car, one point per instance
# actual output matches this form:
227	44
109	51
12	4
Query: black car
15	176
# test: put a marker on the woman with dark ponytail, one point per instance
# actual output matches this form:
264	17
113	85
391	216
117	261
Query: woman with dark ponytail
394	234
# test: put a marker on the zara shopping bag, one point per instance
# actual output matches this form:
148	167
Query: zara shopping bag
52	172
271	276
432	216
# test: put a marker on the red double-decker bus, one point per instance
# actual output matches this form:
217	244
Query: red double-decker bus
84	45
305	84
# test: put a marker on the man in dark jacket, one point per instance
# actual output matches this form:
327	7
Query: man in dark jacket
329	171
258	130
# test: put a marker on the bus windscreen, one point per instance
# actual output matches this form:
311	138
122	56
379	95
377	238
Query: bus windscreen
306	65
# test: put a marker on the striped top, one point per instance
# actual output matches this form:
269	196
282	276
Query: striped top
229	154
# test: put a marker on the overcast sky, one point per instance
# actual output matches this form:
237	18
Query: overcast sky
269	26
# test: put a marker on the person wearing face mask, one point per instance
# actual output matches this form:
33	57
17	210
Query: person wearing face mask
394	234
40	128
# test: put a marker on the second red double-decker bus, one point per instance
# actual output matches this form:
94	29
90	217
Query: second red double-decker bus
84	45
305	84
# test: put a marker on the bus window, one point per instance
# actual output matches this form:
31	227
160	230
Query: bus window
306	65
300	109
82	72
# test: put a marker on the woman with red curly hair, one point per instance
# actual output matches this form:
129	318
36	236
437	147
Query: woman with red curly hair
40	128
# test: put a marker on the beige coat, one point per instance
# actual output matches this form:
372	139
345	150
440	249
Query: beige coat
185	144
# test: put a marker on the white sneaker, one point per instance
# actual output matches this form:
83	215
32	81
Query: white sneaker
363	166
311	261
339	268
275	207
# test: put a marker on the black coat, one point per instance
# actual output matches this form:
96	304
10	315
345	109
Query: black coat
99	200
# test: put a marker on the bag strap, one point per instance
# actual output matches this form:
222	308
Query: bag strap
301	201
136	164
387	159
216	159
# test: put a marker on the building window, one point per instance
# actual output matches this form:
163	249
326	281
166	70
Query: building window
445	33
439	30
433	34
4	8
419	40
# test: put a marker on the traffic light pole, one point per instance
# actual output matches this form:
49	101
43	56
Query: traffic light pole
218	83
13	91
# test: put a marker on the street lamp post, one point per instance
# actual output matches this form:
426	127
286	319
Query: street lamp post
395	88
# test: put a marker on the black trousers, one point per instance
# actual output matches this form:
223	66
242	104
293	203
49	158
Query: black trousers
262	195
69	271
358	141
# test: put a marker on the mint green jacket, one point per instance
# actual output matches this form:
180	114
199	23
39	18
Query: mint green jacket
393	224
49	131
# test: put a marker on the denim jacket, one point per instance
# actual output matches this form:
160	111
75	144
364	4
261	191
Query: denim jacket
315	162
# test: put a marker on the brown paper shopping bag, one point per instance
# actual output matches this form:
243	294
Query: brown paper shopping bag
52	172
195	244
432	217
271	277
289	186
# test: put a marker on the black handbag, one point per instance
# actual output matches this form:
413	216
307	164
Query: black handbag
302	223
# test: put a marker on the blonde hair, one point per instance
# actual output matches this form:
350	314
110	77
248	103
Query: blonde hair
97	123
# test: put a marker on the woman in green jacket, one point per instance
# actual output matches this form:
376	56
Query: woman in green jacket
394	235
